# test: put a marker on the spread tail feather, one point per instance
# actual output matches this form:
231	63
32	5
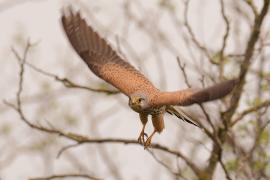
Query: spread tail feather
181	115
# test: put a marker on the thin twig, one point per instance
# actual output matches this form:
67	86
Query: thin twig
192	35
62	150
250	110
183	70
224	168
177	174
85	176
225	38
208	119
68	83
252	6
227	23
208	133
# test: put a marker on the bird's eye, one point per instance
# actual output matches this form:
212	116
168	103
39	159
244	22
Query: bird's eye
140	100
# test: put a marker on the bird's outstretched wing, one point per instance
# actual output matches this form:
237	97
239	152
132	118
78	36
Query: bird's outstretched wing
100	57
190	96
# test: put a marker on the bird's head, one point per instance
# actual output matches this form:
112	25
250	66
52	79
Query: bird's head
138	102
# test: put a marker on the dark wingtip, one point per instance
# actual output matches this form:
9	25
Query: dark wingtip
216	91
65	12
232	83
68	11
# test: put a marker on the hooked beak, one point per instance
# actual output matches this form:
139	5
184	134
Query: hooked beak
133	101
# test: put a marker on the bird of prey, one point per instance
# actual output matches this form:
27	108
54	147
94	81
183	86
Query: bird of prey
144	97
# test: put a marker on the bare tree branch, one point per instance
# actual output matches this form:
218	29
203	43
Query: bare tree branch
79	139
227	115
252	6
224	169
183	70
70	84
63	176
193	37
236	95
250	110
225	38
176	174
256	50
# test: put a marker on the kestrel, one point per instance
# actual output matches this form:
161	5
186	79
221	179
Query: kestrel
144	97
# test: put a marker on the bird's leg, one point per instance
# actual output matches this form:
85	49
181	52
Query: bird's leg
148	141
158	123
144	119
141	136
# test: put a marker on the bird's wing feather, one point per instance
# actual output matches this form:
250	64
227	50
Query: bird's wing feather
191	96
101	58
181	114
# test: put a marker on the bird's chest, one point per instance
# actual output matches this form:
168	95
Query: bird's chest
152	110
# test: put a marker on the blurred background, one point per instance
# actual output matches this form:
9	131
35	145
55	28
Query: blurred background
213	41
